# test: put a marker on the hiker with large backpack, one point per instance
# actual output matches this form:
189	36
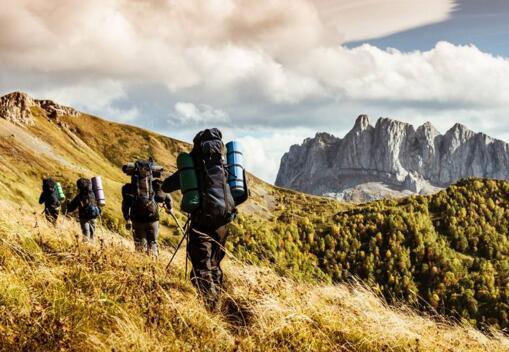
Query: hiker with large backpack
140	203
203	177
51	196
88	208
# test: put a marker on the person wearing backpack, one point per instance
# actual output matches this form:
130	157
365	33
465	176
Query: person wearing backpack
209	222
49	198
140	204
88	210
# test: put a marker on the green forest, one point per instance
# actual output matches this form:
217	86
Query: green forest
445	253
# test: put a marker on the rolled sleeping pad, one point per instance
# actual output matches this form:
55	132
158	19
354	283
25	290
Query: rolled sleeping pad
60	192
97	187
235	161
188	183
157	170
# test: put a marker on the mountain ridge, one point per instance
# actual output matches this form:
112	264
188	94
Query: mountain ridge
394	154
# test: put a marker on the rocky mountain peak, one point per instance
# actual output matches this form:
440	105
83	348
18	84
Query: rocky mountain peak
388	124
428	128
18	108
361	123
392	156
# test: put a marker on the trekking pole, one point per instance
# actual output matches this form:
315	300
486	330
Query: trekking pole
187	253
60	228
101	225
184	233
63	220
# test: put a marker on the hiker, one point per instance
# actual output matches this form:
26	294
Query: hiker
88	209
50	198
140	204
217	208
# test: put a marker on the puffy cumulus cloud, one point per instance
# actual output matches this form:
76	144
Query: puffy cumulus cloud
149	39
189	113
447	74
226	48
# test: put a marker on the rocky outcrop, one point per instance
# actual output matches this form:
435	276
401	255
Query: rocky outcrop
19	108
394	155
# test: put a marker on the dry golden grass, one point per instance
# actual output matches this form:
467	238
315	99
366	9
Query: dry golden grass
57	293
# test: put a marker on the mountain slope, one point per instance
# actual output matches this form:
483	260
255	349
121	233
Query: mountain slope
37	141
391	158
287	231
58	294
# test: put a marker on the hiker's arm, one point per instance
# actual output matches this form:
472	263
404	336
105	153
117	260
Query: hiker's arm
160	195
42	198
126	202
172	183
73	205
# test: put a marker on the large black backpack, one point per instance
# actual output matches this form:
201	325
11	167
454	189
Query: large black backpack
217	206
88	202
144	204
49	187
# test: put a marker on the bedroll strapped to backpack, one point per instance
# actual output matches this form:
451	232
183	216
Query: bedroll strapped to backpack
236	173
97	187
59	191
188	183
217	206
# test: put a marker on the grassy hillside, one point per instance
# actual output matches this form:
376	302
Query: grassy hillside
72	147
59	294
422	249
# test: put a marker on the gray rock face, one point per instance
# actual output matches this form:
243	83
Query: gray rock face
18	108
392	154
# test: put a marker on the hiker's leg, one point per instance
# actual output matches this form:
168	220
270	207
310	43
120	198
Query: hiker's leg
54	214
85	230
51	215
152	232
218	253
93	226
139	236
200	250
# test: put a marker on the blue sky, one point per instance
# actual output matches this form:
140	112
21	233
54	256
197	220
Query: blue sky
484	23
269	73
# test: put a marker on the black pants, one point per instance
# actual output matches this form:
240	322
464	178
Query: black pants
51	214
206	250
145	236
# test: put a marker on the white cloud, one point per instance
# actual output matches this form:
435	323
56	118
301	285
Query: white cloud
447	74
189	113
364	19
263	153
97	97
150	40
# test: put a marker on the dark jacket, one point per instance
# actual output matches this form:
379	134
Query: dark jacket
79	202
129	208
49	198
172	183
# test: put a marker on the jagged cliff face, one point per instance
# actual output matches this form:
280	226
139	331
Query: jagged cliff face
19	108
391	158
